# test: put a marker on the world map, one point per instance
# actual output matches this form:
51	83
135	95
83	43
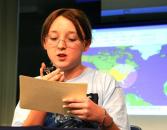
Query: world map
140	70
136	56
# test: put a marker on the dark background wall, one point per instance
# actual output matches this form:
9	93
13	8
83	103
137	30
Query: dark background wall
32	15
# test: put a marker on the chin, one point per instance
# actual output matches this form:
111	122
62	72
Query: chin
66	68
63	67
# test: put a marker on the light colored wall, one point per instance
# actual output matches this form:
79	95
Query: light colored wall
149	122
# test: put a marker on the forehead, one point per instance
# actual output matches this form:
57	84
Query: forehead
62	24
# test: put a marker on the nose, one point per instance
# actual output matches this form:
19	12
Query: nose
61	44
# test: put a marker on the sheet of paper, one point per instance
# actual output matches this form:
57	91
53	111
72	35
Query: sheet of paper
47	96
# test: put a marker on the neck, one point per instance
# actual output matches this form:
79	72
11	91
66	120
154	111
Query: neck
74	72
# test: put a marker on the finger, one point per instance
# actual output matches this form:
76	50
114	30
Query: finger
42	68
75	105
62	78
52	74
82	117
55	72
56	77
74	100
78	112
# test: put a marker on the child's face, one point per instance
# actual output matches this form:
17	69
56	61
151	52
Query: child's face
63	45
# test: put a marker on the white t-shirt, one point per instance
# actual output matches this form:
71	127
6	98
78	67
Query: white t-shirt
111	97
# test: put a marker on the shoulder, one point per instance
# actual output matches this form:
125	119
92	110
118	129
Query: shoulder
100	74
102	79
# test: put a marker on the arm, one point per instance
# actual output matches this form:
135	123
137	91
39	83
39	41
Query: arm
38	117
35	118
20	115
26	117
107	123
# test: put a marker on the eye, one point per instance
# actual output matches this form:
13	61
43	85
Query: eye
72	39
53	38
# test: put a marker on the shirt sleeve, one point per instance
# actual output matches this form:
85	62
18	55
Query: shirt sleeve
19	115
114	103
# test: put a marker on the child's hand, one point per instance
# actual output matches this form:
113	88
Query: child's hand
56	75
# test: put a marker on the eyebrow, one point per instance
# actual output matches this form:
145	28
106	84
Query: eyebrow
69	32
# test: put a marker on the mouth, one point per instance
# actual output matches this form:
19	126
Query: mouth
62	56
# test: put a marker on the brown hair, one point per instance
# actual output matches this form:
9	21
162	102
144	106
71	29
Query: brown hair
76	16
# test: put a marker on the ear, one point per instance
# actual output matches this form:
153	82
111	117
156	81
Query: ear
86	46
44	45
